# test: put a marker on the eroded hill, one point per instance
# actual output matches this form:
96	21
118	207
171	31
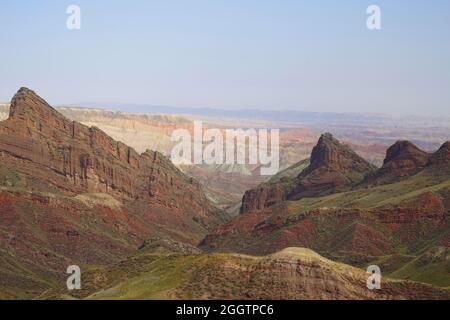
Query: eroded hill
167	271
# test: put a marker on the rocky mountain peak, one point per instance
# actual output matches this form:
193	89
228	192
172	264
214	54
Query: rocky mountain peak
26	104
405	151
329	152
333	167
442	156
42	144
403	159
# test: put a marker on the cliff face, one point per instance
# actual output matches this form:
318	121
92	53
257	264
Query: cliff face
330	153
262	197
39	142
404	155
273	191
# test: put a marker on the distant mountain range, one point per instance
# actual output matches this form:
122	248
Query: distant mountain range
290	116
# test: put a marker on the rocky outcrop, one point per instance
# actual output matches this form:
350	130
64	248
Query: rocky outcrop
403	159
262	197
405	155
39	142
441	158
273	191
332	167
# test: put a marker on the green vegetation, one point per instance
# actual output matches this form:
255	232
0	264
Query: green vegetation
150	274
431	267
157	272
378	196
20	282
420	259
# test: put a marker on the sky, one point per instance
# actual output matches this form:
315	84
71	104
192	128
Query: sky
247	54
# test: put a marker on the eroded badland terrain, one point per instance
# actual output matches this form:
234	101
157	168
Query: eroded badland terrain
96	188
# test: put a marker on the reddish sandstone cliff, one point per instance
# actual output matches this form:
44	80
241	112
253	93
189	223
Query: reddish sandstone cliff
70	194
39	142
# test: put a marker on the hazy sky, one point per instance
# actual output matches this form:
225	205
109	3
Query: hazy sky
303	55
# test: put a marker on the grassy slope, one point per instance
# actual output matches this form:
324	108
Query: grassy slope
291	223
405	266
432	267
18	281
368	198
150	274
162	274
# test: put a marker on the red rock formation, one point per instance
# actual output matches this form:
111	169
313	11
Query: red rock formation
441	158
333	167
403	159
402	220
39	142
336	231
262	197
70	194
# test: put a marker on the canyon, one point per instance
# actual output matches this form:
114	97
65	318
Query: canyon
140	227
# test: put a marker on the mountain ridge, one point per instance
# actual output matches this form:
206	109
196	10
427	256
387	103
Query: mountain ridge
70	194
